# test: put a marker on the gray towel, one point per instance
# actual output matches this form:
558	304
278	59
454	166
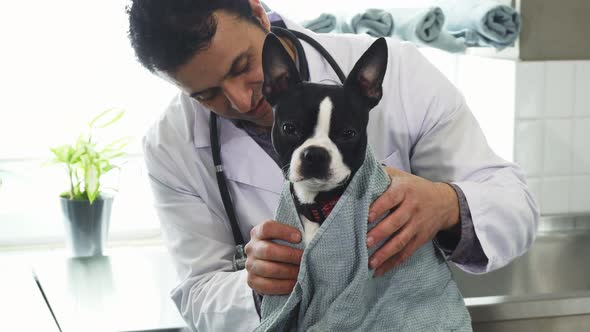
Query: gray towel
336	291
482	22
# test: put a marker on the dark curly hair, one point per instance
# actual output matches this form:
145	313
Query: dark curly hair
165	34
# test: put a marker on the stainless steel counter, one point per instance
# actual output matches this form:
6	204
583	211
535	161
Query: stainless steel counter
124	292
547	289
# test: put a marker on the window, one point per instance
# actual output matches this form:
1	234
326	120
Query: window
63	62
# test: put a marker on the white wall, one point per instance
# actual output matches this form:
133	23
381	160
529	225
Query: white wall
536	114
553	133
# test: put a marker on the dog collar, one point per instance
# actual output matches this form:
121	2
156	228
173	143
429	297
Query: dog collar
323	205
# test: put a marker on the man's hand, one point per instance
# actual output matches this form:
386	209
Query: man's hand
419	210
272	268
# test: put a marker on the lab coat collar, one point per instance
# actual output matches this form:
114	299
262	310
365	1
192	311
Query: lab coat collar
243	160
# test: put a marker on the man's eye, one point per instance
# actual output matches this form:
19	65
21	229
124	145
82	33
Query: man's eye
289	129
206	96
242	70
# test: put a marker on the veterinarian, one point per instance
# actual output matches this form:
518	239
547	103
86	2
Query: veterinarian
447	184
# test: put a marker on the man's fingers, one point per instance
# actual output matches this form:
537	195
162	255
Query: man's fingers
395	172
269	269
391	198
272	230
388	226
266	286
270	251
399	258
394	246
273	268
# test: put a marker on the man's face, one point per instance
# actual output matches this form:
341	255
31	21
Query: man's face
227	76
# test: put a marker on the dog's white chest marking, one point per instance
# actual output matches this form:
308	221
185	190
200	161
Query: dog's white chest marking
310	229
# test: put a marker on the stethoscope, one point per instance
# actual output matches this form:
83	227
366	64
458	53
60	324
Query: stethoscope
239	259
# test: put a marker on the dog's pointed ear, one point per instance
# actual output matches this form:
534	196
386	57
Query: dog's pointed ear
366	77
280	72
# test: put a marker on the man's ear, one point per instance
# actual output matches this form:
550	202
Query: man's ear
366	78
260	14
280	73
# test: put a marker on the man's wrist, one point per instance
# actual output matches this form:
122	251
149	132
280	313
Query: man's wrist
451	204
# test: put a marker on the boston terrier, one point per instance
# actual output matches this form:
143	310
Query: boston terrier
320	130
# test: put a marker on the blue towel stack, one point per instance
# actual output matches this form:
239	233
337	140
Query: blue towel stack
451	25
424	26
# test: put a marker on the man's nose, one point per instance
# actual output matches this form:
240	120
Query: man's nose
239	94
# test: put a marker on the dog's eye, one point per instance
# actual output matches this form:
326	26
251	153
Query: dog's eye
289	129
348	134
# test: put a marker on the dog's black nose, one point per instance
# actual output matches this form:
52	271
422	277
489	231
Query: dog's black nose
315	155
315	162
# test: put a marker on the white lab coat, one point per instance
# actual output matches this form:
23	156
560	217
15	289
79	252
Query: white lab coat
422	125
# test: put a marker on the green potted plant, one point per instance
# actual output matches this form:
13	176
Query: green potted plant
86	208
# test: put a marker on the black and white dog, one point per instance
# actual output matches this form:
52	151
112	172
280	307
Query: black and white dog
319	130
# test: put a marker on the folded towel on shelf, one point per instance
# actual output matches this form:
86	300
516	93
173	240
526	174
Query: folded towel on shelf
448	42
375	22
424	26
481	22
322	24
420	24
